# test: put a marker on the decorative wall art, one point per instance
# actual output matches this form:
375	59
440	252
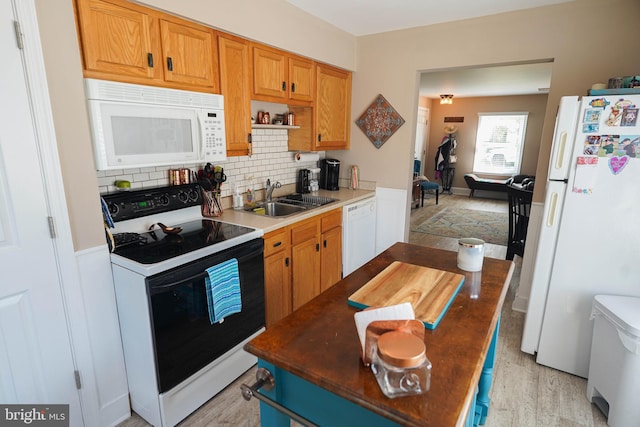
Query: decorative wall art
379	121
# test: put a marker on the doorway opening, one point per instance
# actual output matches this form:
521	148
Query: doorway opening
477	89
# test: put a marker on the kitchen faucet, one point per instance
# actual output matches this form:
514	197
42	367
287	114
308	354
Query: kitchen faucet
270	188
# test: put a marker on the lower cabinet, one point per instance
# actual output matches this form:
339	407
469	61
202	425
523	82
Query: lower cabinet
277	275
300	261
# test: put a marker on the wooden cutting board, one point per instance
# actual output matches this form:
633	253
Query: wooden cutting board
430	291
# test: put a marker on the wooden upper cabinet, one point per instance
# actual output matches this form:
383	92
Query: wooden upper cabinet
134	44
279	76
301	77
189	54
119	40
235	84
332	108
325	125
269	73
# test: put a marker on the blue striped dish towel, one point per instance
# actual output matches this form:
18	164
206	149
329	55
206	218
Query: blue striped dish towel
223	290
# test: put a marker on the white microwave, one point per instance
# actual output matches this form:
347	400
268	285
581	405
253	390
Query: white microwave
138	126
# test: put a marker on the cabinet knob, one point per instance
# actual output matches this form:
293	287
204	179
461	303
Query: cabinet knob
319	137
317	247
276	244
286	262
150	59
170	64
284	86
324	243
293	87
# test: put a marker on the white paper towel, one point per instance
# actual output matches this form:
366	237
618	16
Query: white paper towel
306	157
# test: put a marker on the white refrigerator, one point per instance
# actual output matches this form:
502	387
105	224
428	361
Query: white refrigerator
590	231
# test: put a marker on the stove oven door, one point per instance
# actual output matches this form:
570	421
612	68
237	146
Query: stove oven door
185	341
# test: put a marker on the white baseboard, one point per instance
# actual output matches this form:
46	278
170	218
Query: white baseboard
108	382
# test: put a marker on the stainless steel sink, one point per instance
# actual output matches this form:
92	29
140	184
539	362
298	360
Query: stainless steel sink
307	200
289	205
275	209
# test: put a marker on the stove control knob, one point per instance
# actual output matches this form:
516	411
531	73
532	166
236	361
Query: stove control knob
183	197
193	195
163	200
113	209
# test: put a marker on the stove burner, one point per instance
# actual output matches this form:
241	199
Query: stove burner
122	240
155	247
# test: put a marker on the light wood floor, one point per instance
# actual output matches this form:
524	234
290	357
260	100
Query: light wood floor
524	394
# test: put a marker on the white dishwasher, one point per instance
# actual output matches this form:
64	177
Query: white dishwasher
358	234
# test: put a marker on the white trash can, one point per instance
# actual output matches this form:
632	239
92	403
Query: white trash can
614	368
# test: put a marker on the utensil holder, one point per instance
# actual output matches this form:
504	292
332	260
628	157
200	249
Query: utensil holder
211	206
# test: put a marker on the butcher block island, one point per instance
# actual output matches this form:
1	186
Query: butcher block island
314	354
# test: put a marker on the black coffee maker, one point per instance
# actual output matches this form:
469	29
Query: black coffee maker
329	174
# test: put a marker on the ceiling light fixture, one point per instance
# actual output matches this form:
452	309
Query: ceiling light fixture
446	99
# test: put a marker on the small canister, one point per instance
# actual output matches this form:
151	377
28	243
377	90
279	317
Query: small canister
400	364
174	176
615	83
185	176
291	119
470	254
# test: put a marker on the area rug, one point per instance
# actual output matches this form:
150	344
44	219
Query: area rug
492	227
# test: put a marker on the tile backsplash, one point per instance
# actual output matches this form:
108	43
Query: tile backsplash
271	159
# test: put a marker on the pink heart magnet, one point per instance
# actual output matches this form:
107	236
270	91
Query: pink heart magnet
616	164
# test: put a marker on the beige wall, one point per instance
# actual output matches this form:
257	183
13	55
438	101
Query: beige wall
469	108
64	75
584	38
585	49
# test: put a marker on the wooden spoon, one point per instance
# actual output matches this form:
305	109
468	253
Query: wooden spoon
168	230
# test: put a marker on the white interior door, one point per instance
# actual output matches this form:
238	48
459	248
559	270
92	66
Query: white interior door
422	135
36	363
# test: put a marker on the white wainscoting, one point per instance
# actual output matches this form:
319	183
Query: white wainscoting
521	300
109	375
390	217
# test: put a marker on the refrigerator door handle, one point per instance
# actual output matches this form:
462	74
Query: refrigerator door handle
551	214
562	145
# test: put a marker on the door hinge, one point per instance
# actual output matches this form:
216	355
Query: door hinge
52	227
77	376
18	30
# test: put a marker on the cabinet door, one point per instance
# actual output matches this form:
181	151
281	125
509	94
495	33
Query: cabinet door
189	54
269	73
277	287
235	83
119	41
305	273
333	108
277	275
305	261
331	259
301	79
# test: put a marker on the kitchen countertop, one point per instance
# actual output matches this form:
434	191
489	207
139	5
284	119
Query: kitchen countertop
344	197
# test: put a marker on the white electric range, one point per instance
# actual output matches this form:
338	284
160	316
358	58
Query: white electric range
176	358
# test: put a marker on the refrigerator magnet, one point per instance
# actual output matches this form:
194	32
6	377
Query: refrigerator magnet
585	177
592	115
614	117
617	164
629	117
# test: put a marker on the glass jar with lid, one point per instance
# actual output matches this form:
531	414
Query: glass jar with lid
400	364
